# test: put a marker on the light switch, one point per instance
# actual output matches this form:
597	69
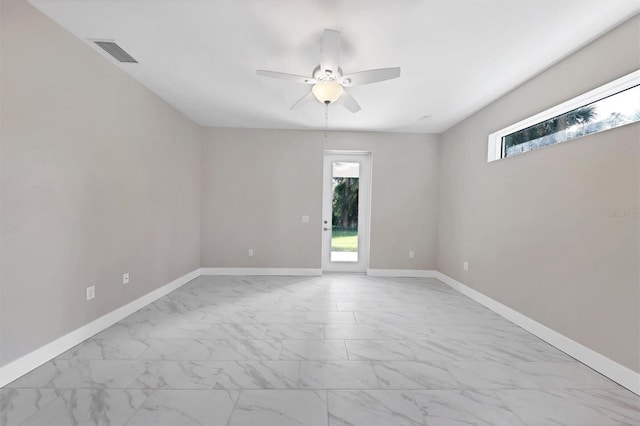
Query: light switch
305	219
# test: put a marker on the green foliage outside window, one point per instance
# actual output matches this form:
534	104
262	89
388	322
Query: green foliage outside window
345	203
582	116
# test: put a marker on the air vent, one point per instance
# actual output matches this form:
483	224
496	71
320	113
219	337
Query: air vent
116	51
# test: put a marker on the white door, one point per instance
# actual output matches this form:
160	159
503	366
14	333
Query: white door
345	211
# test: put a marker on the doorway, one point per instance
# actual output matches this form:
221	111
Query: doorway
345	212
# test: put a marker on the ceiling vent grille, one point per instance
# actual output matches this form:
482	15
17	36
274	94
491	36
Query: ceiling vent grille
116	51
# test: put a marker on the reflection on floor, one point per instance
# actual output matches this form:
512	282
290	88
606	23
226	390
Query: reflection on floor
344	256
337	350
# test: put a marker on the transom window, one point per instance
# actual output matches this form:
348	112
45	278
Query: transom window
612	105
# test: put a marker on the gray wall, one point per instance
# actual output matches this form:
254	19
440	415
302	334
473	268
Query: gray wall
533	227
98	177
256	185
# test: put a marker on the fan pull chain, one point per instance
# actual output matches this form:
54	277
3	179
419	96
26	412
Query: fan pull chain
326	120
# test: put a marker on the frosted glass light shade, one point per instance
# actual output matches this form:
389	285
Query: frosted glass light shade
327	91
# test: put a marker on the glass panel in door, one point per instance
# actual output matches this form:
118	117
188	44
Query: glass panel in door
344	209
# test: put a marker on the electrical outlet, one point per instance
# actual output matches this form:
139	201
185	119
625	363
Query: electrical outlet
411	255
250	252
91	292
125	278
465	265
305	219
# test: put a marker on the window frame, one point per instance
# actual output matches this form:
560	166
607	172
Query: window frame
495	149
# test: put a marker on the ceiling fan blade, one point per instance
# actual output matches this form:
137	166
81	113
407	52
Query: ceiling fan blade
347	101
285	76
330	53
370	76
303	100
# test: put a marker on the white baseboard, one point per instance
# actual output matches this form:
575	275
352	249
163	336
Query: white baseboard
32	360
262	271
605	366
405	273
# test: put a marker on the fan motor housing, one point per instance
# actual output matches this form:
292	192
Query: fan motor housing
321	75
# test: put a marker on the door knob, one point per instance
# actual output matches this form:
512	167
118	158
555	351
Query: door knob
325	229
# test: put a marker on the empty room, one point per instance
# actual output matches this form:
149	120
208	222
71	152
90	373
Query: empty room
319	212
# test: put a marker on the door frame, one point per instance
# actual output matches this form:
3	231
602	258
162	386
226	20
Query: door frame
364	210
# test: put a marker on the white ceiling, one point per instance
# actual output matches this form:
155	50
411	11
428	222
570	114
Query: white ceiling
456	55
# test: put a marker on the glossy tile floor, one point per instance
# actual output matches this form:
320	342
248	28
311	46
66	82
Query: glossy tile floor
331	350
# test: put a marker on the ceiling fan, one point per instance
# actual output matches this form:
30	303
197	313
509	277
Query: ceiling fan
328	84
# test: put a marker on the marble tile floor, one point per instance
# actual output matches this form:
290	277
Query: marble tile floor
331	350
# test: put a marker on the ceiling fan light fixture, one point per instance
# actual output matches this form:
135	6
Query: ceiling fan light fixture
328	82
327	92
